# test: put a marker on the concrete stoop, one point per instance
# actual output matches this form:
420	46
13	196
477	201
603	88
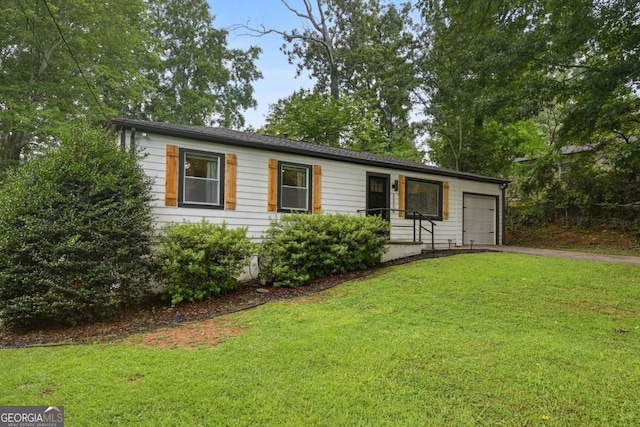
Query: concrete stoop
401	249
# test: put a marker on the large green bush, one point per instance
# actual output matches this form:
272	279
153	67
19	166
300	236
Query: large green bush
200	260
299	247
75	233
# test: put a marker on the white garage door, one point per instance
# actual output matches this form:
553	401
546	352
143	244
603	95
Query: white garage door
479	220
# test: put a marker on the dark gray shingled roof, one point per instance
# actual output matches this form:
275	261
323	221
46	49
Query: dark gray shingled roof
284	145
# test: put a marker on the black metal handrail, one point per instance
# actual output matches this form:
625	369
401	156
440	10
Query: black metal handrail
417	221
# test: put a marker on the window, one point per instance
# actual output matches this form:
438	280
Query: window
294	187
424	197
201	181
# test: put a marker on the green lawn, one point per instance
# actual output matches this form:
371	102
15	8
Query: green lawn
481	339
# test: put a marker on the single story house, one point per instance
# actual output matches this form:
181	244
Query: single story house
247	179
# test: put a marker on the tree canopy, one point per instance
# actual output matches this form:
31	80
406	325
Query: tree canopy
360	50
501	63
199	80
470	78
345	122
65	60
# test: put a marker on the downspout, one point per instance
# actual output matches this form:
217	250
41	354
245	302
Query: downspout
503	187
132	139
123	139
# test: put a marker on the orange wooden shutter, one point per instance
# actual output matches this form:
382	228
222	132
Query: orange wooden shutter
272	186
171	176
401	196
230	174
317	188
445	201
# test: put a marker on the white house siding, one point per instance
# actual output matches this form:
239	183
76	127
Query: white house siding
343	189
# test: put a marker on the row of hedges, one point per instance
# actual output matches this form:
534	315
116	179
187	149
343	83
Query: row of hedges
197	261
298	248
203	260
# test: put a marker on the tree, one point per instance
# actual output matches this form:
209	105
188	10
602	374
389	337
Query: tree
602	93
66	60
199	80
377	50
75	233
340	122
362	49
506	62
479	72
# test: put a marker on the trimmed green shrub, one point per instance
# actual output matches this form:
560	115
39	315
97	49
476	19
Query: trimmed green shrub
299	247
75	233
200	260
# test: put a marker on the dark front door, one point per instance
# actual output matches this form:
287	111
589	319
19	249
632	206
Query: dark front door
378	195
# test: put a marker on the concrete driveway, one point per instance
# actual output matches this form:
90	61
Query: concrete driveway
563	254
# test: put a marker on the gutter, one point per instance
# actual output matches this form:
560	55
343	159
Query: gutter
290	147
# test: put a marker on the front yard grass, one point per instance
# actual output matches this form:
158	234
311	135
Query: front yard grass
475	339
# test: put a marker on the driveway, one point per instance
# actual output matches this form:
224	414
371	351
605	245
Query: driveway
563	254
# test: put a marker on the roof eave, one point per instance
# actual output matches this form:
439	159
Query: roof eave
153	127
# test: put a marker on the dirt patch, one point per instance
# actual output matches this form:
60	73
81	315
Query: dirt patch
307	299
156	315
559	236
599	307
201	334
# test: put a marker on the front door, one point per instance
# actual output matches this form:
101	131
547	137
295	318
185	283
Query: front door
378	195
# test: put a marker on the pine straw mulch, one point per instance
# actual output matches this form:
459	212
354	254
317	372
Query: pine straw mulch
155	316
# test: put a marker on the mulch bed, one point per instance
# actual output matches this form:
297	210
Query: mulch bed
156	313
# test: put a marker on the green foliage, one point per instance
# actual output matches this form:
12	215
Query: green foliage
599	185
95	73
489	150
160	60
201	260
362	49
340	122
75	233
602	92
199	80
297	248
503	62
479	76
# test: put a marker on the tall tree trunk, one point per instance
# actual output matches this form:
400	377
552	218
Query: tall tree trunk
11	146
335	83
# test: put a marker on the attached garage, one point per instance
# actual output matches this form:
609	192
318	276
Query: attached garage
480	219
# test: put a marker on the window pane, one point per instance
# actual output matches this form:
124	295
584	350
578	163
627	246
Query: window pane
198	190
294	198
294	187
376	185
422	197
201	179
294	176
201	166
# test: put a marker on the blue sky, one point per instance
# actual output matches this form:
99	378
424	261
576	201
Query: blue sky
279	77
